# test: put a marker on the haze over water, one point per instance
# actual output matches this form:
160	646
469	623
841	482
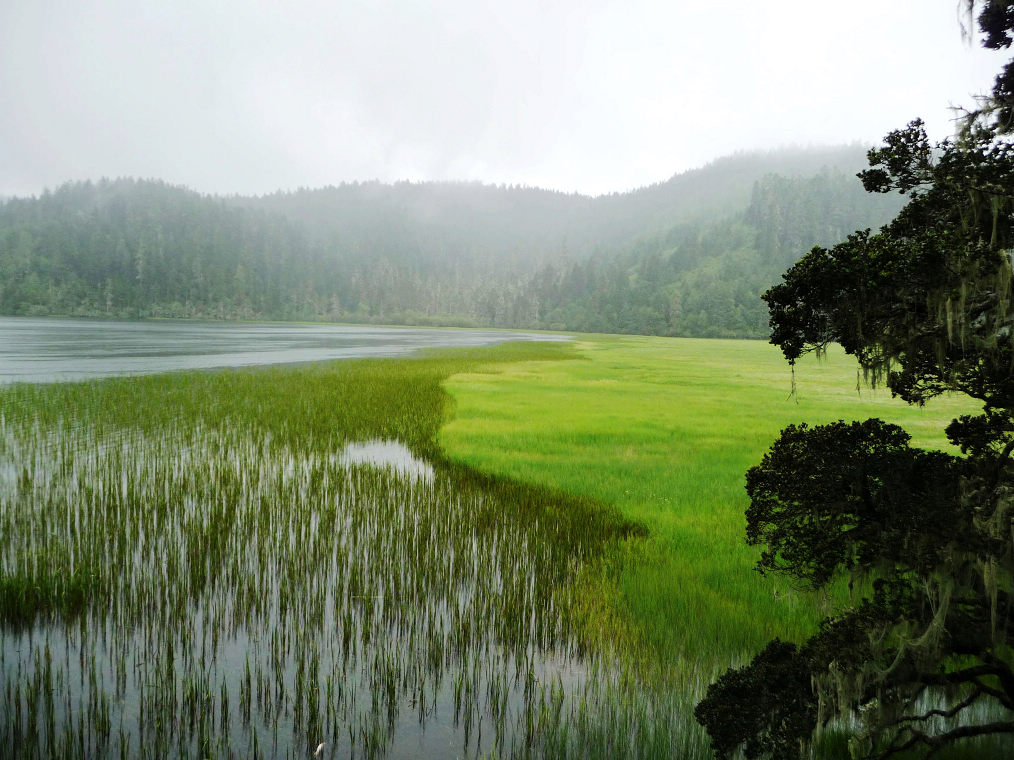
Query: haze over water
54	350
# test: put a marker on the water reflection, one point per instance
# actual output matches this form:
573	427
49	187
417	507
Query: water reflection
385	454
54	350
250	600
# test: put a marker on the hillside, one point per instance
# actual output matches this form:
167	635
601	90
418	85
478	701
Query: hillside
705	278
688	256
427	221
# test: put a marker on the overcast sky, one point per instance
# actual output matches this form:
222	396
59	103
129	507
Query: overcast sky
588	95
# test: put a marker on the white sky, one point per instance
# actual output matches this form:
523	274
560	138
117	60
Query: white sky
588	95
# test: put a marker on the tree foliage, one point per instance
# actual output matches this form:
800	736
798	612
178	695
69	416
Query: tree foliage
922	657
437	253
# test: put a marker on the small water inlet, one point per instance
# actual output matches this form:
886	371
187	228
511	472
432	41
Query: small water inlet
387	454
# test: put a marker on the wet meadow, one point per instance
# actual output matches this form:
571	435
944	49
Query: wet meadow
663	430
527	550
205	565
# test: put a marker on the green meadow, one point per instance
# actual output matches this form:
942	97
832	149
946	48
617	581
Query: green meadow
664	430
192	567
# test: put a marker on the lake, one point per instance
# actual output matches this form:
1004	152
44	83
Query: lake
42	350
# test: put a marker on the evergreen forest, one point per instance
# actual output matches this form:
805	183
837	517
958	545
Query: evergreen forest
689	256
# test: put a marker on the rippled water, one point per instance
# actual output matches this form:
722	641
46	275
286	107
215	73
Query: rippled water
53	350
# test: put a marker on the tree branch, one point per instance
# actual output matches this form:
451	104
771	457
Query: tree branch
937	742
998	695
940	713
965	732
1003	672
957	676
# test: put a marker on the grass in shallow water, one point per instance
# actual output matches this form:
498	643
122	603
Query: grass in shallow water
191	568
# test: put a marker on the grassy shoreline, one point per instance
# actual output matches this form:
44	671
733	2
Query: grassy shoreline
615	463
664	430
193	542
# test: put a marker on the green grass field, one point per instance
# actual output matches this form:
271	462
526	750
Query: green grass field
664	429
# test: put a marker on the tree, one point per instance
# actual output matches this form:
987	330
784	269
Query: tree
924	658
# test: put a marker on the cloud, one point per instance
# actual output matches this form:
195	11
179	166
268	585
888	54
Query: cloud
592	96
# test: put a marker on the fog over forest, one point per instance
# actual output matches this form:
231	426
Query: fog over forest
597	96
427	132
689	256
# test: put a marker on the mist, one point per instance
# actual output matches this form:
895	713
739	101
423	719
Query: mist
594	97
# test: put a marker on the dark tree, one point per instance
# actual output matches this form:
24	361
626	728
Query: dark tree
924	658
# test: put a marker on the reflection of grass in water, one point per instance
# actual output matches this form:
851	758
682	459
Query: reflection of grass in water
192	569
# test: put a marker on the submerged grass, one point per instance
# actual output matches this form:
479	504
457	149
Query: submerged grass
192	568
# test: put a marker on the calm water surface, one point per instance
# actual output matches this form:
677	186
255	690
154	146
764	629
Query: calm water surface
53	350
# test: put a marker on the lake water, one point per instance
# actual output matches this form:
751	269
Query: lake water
53	350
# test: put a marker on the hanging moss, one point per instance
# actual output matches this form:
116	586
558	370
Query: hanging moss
925	307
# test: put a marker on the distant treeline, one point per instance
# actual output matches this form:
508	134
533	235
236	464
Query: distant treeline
686	257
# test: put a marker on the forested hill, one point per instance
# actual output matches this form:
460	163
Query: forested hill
474	222
688	256
704	278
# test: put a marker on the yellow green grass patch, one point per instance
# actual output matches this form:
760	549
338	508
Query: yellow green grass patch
664	429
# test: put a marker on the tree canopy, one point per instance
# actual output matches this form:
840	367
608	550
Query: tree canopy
690	256
922	656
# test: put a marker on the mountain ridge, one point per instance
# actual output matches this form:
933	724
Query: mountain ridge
433	252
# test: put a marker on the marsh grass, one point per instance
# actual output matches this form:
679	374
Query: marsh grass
192	568
664	430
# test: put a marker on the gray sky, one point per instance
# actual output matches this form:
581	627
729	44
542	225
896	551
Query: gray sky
588	95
